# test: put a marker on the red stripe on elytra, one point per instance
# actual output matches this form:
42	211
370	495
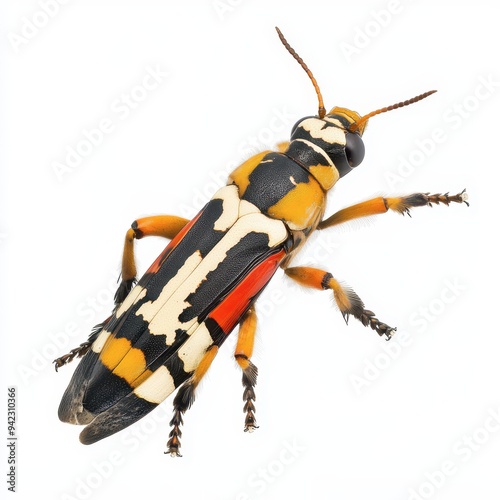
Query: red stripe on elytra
230	310
155	266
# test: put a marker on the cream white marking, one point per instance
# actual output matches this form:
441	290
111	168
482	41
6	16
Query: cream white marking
137	293
317	129
163	320
259	223
100	341
318	150
247	208
292	180
157	387
193	350
230	207
334	121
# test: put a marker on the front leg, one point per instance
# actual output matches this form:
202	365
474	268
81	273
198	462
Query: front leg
401	204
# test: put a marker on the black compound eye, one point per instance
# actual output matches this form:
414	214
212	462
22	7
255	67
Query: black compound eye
354	149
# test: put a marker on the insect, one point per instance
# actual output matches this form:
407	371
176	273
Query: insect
167	328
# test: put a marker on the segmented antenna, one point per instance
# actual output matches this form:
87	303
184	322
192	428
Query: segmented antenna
321	106
358	124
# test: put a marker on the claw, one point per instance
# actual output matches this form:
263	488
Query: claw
173	453
464	197
250	428
389	333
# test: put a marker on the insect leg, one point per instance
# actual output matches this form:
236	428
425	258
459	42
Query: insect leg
347	300
185	398
381	205
158	225
242	354
83	348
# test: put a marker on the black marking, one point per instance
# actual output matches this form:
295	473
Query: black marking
155	347
138	233
270	181
305	155
124	413
104	389
155	359
176	368
326	280
216	332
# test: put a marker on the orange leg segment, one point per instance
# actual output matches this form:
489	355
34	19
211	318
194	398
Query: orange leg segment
167	226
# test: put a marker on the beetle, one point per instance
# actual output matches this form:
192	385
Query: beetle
167	328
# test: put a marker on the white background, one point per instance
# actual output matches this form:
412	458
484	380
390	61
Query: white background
363	423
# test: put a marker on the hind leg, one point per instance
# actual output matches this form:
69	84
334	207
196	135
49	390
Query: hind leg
185	398
167	226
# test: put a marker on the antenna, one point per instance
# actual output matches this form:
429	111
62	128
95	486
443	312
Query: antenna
321	106
360	123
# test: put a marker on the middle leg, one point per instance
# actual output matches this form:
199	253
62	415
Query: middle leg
346	299
242	354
